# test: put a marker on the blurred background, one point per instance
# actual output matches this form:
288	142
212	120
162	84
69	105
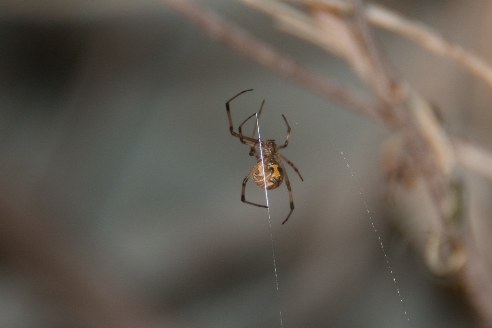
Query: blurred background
120	183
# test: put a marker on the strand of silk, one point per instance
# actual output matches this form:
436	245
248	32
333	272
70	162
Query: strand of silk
272	240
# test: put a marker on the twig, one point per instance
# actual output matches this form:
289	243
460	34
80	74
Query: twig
239	40
417	32
383	79
333	34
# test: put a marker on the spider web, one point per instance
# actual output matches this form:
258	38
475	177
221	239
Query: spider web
272	240
389	268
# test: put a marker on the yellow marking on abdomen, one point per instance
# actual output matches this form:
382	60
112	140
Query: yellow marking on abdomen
276	173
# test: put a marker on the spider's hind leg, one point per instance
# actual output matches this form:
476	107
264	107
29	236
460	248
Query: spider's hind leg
292	165
243	193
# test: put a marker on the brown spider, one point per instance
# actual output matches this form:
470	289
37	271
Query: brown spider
269	168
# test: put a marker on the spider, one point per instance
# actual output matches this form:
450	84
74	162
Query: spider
269	168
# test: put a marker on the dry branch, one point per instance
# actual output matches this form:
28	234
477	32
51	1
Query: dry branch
415	31
242	42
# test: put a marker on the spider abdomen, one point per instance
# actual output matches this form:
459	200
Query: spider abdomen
271	173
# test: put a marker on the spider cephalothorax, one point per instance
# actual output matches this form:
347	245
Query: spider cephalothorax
269	171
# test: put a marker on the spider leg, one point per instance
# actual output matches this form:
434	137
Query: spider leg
289	189
243	192
288	133
292	165
242	138
240	129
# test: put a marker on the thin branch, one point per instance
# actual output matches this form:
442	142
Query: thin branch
415	31
332	33
241	41
383	78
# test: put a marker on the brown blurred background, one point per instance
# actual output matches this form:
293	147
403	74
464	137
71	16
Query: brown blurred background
120	183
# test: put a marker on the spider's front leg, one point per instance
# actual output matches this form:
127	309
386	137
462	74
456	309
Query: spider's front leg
242	138
243	192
